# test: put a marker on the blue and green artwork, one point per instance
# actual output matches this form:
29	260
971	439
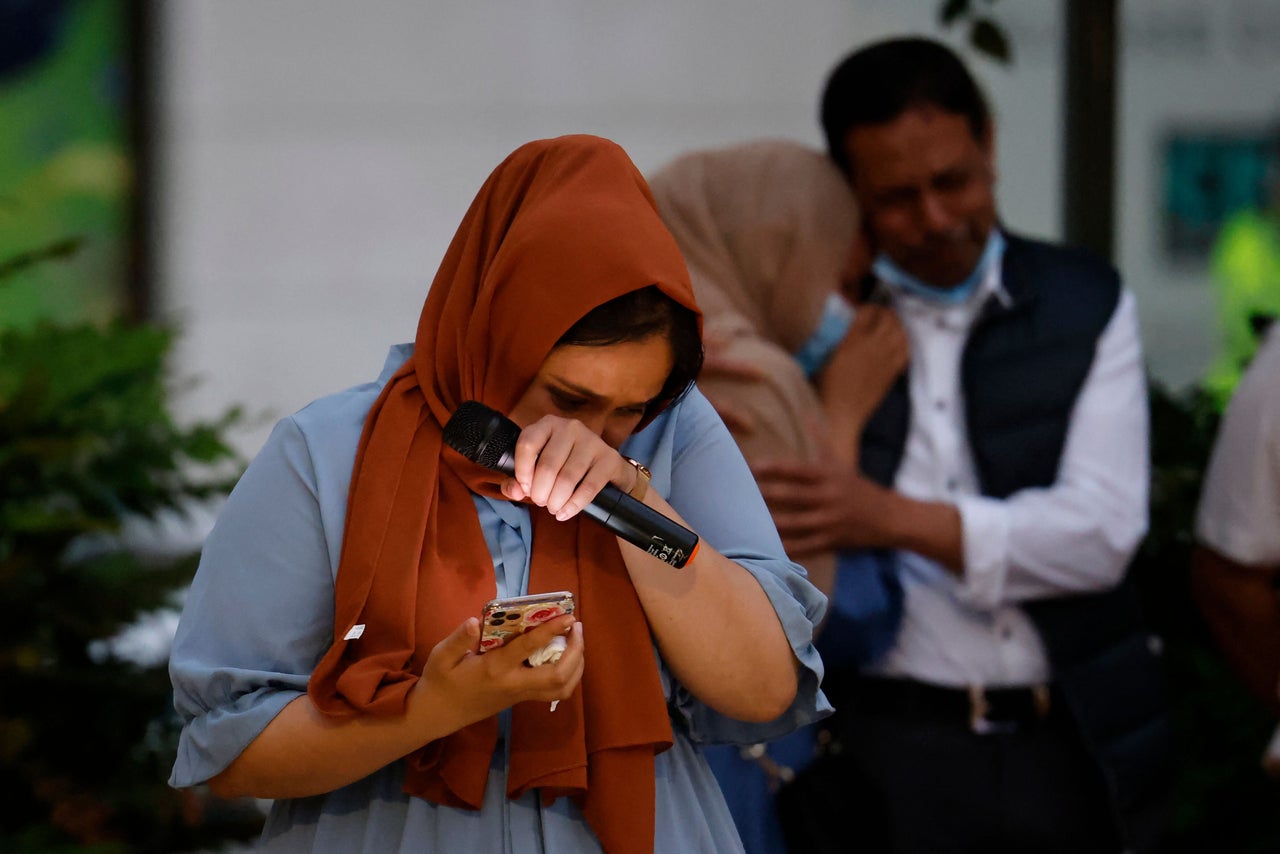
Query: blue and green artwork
65	161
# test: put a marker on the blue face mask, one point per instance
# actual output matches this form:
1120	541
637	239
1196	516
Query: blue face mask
890	273
837	316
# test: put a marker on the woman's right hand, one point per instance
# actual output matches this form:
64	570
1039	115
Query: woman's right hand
473	687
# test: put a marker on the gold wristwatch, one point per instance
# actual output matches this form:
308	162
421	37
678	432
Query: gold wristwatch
643	476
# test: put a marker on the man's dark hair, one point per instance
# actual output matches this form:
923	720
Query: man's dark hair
878	83
637	315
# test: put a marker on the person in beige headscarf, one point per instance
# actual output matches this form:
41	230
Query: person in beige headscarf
771	237
770	233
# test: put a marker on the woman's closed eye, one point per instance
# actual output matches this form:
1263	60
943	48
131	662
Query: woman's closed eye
568	403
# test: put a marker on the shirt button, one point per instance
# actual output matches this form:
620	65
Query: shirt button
952	484
1006	633
940	405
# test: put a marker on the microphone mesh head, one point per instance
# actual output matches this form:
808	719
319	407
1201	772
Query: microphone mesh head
481	434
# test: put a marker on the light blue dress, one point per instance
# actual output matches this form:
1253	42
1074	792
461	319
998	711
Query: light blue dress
259	616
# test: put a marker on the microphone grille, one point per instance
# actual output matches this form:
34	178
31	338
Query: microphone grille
481	434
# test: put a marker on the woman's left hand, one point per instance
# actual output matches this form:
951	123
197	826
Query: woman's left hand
561	464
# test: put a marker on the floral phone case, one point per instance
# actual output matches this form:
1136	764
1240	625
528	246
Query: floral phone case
503	619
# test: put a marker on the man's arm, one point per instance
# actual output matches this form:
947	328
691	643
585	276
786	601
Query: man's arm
1076	535
826	506
1242	607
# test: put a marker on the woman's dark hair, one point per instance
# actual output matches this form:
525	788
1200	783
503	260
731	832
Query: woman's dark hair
636	316
876	84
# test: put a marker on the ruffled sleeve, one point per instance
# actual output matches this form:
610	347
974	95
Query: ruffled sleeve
259	613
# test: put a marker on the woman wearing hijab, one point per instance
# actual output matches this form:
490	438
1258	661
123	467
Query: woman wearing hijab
769	230
327	654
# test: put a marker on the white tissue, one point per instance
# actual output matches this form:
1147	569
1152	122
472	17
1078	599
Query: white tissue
550	653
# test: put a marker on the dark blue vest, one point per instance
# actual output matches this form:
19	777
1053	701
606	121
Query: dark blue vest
1023	367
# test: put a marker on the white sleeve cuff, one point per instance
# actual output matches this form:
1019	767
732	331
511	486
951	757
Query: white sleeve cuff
984	525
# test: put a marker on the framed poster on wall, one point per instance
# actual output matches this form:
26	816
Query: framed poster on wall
1209	174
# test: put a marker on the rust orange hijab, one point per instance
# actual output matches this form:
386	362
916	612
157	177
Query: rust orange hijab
560	227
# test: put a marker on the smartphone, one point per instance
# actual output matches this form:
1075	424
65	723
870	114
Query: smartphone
503	619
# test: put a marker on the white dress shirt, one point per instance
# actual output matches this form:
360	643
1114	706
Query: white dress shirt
1074	536
1239	512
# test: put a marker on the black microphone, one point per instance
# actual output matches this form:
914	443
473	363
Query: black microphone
488	438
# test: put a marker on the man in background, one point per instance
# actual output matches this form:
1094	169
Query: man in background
1019	708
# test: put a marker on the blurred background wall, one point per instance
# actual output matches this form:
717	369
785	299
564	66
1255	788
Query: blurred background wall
304	164
315	156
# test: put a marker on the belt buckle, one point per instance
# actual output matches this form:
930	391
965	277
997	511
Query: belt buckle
979	708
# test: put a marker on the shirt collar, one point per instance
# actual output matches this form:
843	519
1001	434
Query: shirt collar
990	285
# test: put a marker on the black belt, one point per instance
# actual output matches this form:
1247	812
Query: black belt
984	710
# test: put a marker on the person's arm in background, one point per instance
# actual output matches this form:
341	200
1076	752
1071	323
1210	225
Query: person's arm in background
872	356
829	506
1241	605
1077	535
1236	564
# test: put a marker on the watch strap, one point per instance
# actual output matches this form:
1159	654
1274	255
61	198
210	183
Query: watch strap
643	476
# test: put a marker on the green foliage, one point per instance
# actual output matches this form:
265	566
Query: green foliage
1221	799
87	442
65	156
985	34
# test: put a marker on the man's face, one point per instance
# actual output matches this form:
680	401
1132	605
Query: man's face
927	191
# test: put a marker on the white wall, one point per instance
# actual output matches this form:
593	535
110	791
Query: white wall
316	155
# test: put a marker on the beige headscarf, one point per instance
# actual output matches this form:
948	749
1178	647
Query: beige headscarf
767	229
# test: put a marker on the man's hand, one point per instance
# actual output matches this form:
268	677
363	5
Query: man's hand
825	506
822	506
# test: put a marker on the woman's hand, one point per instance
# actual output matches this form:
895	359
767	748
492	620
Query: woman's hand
561	464
749	674
302	752
473	687
872	356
